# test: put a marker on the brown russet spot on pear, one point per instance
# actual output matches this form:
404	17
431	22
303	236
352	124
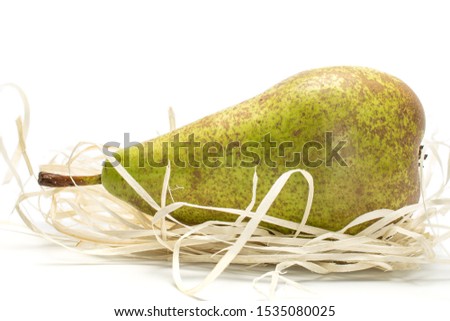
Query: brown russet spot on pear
377	116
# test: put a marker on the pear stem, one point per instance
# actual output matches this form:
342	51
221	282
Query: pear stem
58	180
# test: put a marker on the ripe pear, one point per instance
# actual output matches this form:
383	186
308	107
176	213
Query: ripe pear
356	130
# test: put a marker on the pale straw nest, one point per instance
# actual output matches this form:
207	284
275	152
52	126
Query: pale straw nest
90	220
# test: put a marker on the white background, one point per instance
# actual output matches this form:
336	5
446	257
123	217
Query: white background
93	70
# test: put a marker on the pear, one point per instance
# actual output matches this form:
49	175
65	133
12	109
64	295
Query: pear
356	130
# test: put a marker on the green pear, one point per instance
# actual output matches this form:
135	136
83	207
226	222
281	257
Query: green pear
356	130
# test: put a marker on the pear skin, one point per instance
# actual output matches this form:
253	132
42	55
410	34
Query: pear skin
362	130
